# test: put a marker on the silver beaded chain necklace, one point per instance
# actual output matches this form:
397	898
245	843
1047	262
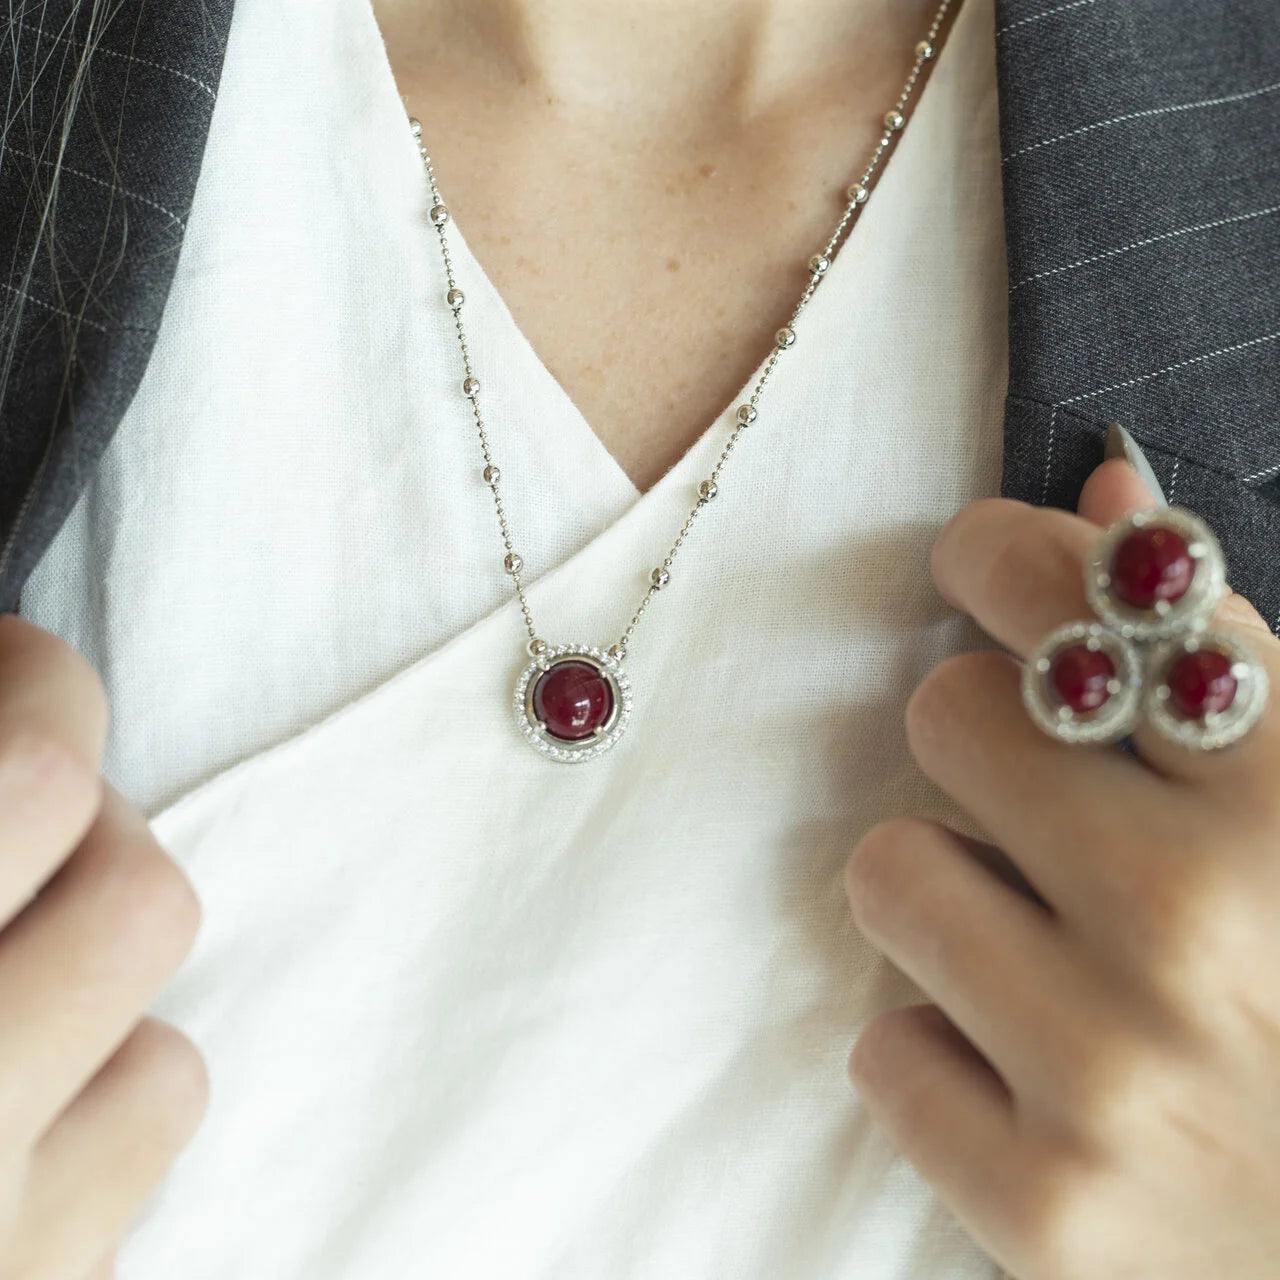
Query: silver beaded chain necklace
573	701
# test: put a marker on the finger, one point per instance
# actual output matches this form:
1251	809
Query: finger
1017	570
105	1270
81	963
1065	814
943	1108
52	726
1112	491
1000	865
1245	771
106	1153
1115	489
48	685
983	952
1235	611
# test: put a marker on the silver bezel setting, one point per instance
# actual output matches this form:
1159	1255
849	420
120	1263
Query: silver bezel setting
1116	718
1217	729
606	736
1191	613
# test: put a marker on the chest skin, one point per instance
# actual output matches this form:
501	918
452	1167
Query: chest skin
649	260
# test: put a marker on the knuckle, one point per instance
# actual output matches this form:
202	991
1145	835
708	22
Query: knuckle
1048	555
156	913
888	1066
168	1066
1185	915
929	702
1053	1214
877	1052
39	766
979	512
1110	1084
939	700
949	545
875	868
1006	565
40	659
869	864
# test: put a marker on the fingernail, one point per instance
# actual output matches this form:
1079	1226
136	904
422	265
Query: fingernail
1120	444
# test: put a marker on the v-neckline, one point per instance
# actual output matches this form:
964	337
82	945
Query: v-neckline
853	245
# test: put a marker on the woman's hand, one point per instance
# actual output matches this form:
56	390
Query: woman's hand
95	1099
1096	1090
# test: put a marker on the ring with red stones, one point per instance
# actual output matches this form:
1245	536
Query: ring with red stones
1083	683
1156	574
1204	690
1155	579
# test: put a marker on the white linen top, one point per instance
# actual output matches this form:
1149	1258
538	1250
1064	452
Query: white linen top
469	1013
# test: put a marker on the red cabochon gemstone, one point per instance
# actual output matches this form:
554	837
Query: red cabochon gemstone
573	700
1152	564
1079	676
1201	683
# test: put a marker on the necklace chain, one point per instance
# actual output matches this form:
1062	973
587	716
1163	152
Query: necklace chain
858	193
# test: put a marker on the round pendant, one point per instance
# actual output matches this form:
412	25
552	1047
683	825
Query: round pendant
572	702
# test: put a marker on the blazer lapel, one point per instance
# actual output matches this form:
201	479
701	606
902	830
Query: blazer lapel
121	95
1141	145
1142	206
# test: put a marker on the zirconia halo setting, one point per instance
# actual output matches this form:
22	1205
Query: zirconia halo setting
1155	579
1155	574
1102	707
572	702
1231	699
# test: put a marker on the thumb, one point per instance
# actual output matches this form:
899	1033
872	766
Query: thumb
1123	483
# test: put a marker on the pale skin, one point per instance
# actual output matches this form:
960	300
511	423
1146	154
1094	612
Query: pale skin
95	1098
1092	1083
645	182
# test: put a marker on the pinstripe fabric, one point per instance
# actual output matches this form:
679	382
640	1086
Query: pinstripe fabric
1141	143
123	92
1142	195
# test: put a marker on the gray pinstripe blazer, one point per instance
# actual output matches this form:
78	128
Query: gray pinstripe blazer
1141	145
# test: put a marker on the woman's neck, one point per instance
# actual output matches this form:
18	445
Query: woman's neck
648	62
644	181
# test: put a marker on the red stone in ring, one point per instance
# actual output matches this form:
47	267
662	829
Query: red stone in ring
1152	564
572	699
1079	678
1201	683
